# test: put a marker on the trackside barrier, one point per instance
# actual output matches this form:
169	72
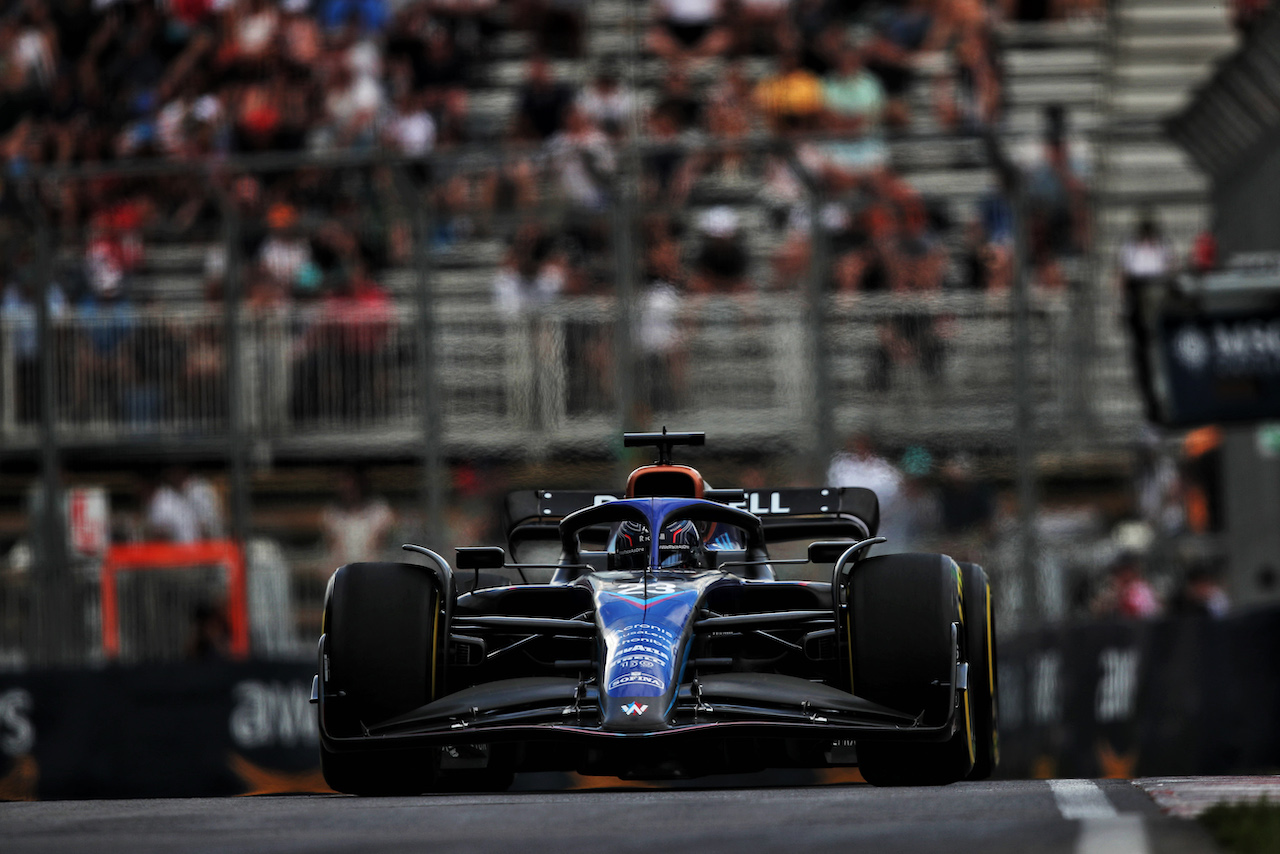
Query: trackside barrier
1177	696
137	557
1169	697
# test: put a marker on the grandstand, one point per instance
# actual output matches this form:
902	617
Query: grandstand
143	226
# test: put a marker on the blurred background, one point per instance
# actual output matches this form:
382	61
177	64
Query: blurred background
286	284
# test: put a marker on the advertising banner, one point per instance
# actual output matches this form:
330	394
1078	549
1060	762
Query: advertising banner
1168	697
165	730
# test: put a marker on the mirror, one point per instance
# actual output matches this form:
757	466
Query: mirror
481	557
828	551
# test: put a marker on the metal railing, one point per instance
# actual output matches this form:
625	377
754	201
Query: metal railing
932	368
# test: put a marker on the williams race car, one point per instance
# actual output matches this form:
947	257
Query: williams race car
662	645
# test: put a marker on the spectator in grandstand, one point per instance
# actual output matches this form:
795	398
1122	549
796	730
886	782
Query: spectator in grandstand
1057	201
1125	593
442	74
968	95
285	254
357	524
731	115
1147	255
209	638
661	347
532	273
1145	259
688	30
672	162
1245	14
583	159
721	263
677	95
762	27
18	311
369	15
354	98
203	373
557	25
900	33
359	313
1202	594
31	45
1204	252
183	508
862	464
410	129
608	102
854	100
967	507
542	103
986	256
300	36
791	97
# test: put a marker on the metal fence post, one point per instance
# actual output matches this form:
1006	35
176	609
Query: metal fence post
434	466
821	412
1014	187
237	446
625	264
60	623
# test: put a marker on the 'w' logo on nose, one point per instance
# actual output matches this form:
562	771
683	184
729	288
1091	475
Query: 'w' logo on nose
634	709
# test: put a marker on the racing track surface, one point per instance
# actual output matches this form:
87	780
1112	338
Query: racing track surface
1022	816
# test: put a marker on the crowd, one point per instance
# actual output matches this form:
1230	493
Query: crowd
1124	562
95	82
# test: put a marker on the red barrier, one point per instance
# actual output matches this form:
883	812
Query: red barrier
132	557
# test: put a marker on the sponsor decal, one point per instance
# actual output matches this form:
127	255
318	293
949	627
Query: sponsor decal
17	734
635	708
754	504
272	714
1192	348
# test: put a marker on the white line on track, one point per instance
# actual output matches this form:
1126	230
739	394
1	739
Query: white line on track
1102	829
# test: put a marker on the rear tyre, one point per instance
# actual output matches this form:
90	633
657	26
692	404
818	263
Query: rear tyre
901	608
980	642
384	632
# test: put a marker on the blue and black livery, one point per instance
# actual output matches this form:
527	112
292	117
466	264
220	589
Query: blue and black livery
663	644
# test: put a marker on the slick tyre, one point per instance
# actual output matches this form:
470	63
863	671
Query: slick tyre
384	630
901	609
980	644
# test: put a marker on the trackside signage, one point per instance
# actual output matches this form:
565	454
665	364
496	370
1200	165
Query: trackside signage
1220	367
1170	697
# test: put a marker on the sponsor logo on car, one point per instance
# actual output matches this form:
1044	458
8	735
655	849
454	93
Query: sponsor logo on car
635	708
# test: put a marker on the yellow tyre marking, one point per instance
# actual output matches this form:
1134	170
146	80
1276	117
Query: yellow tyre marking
968	723
991	679
435	653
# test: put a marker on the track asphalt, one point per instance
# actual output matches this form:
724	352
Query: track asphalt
1069	816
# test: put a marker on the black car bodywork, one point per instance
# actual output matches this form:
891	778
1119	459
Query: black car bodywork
431	680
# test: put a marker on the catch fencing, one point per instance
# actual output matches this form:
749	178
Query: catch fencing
208	339
549	376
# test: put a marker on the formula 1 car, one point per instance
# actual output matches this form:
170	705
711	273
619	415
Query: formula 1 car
662	646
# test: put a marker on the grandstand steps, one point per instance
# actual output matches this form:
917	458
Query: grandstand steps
1160	50
1081	60
1198	47
1051	35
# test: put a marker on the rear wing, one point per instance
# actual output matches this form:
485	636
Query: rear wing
788	514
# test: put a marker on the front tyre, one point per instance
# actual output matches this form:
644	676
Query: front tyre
901	609
384	638
980	643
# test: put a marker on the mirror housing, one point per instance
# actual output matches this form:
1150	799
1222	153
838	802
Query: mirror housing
481	557
828	551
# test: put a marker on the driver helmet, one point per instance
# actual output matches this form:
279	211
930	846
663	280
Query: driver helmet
679	546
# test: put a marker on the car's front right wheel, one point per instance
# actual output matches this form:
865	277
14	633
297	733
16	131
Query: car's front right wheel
901	648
